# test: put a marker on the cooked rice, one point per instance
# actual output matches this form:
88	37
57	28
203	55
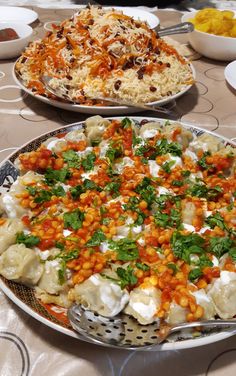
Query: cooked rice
99	53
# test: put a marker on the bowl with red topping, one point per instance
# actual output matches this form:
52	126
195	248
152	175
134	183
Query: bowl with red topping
14	37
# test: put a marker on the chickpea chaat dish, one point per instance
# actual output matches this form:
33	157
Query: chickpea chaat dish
125	216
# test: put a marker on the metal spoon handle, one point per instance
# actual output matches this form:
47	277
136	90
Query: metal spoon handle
182	28
45	80
204	323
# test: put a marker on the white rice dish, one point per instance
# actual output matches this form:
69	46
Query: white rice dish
103	53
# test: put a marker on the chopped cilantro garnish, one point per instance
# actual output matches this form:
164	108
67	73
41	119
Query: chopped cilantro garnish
58	191
177	183
168	220
126	249
88	161
164	147
127	277
27	240
59	245
113	153
64	258
105	221
232	253
68	256
96	239
167	166
194	274
184	246
185	173
216	220
203	163
146	191
133	205
172	266
113	187
135	140
220	246
90	185
201	190
76	191
126	123
141	266
72	158
32	190
82	188
53	176
42	196
73	219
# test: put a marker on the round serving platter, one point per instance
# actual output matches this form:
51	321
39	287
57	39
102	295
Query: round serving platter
56	317
100	110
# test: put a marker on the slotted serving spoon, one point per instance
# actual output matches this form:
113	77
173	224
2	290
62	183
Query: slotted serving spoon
124	331
116	101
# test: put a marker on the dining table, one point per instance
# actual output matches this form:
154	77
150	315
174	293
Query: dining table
27	346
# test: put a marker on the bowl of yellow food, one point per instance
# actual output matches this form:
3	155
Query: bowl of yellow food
214	34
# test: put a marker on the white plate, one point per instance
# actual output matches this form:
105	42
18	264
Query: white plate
17	14
24	297
140	15
230	74
100	110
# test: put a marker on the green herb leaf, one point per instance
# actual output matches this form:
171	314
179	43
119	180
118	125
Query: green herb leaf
216	220
73	219
53	176
203	163
58	191
113	187
173	266
164	220
76	191
126	249
232	253
43	196
164	147
68	256
88	161
143	267
27	240
194	274
127	277
219	246
97	238
126	123
135	140
72	158
185	245
177	183
185	173
201	190
113	153
32	190
167	166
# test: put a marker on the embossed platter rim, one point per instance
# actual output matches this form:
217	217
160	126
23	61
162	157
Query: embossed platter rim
31	305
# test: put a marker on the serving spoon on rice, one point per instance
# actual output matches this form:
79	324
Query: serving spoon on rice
109	100
125	332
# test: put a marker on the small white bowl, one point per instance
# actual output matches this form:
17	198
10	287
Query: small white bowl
17	14
13	48
213	46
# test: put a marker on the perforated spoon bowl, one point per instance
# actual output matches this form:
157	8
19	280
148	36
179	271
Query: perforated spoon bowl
124	331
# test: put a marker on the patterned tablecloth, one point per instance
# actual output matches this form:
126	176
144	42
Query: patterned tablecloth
30	348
